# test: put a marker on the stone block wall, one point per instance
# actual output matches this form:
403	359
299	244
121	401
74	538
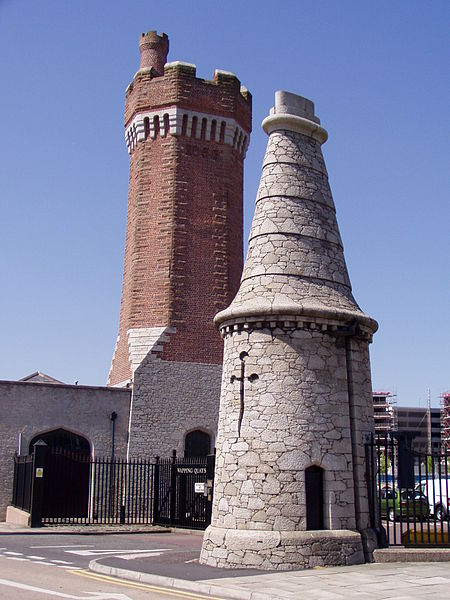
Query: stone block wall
170	399
33	408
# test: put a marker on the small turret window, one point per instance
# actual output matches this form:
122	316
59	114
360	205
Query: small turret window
184	125
194	126
213	130
156	125
203	131
166	125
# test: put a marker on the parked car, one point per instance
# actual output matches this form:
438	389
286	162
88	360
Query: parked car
395	503
437	493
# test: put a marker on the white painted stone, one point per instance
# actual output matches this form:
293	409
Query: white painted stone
235	136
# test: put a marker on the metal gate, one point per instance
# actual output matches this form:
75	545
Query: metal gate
183	491
409	492
61	487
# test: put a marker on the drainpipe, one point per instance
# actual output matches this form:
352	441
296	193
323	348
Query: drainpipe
113	417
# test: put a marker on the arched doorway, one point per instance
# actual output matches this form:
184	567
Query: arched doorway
61	438
66	475
197	443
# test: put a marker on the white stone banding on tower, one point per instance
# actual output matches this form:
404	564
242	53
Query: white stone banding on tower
234	135
303	335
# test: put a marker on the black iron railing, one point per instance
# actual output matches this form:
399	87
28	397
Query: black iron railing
409	491
73	488
23	477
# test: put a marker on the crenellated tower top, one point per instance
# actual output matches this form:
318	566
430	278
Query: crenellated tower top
167	98
154	49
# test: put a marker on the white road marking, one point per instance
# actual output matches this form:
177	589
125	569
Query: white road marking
49	593
141	555
121	551
62	562
36	557
70	546
14	553
15	558
43	562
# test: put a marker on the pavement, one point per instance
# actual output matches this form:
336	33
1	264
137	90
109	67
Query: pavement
8	529
405	580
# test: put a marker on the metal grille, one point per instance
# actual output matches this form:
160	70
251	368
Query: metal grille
181	492
79	489
408	491
76	489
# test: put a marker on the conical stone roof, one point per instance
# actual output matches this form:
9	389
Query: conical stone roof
295	264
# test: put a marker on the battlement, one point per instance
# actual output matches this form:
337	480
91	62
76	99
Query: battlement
178	68
159	87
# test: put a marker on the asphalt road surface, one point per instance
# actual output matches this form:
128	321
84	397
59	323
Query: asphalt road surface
37	567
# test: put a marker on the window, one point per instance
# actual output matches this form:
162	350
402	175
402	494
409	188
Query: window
197	443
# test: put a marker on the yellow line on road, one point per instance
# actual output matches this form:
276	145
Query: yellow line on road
142	586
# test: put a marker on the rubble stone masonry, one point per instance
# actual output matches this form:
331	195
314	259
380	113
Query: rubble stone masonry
29	409
296	391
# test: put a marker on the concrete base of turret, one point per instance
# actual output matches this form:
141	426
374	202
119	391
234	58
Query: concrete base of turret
280	550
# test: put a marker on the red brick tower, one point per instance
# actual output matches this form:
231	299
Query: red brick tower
187	139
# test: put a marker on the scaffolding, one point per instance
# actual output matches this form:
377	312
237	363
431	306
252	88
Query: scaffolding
445	421
385	415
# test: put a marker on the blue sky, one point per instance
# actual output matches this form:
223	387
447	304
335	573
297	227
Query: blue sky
378	74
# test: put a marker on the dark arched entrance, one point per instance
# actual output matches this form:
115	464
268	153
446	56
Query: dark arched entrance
197	443
66	475
314	498
61	438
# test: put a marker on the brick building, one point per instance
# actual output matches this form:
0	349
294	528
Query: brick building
187	139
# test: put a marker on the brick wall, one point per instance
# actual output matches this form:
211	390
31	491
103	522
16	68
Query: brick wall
183	255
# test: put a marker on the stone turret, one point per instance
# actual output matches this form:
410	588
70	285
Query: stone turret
296	393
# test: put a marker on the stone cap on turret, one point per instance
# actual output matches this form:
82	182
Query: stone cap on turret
294	113
295	267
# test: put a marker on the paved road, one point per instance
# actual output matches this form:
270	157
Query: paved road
37	567
41	566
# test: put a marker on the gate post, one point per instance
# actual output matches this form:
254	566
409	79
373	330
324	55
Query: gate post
155	516
173	488
405	459
37	486
210	464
